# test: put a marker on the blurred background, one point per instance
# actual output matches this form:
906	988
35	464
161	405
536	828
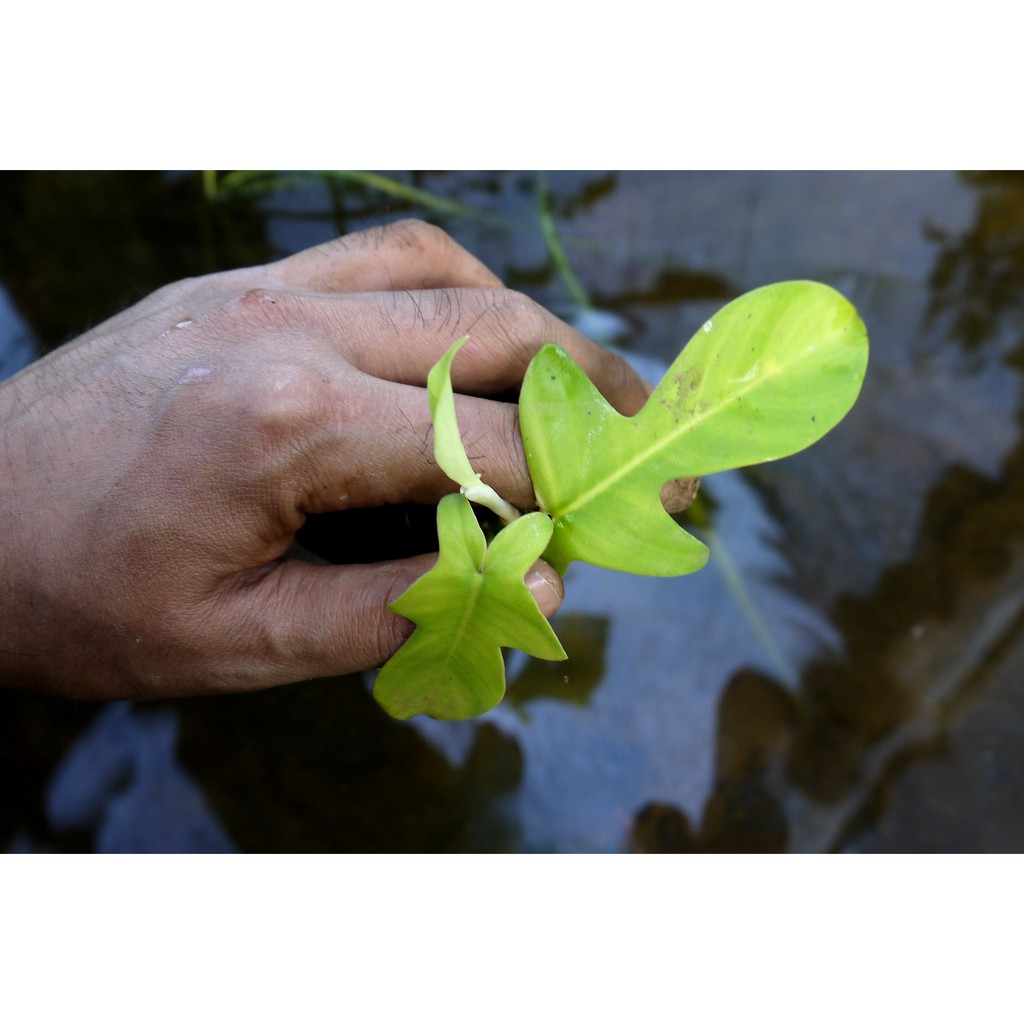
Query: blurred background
847	673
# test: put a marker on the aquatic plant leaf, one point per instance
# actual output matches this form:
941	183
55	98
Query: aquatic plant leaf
470	605
768	375
449	451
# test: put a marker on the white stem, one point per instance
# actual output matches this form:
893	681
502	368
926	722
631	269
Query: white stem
485	495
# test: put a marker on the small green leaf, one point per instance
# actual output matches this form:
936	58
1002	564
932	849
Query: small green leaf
767	376
470	605
448	448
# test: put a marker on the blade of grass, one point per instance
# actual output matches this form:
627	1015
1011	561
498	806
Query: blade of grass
416	196
275	181
210	184
554	244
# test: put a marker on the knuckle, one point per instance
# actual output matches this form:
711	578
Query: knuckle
241	315
285	402
512	328
272	411
252	304
521	321
418	234
209	289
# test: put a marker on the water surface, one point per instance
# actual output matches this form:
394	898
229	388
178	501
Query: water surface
846	674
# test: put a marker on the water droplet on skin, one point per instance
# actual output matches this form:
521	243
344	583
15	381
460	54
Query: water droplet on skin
195	373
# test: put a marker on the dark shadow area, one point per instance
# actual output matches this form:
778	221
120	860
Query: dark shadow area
584	638
757	720
78	247
371	534
978	274
318	767
35	733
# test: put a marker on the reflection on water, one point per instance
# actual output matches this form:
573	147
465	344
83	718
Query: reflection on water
846	674
121	785
584	639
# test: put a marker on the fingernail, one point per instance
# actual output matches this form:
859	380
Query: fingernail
545	593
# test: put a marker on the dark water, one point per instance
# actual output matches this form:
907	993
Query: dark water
846	674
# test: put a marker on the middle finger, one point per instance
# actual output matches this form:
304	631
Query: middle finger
399	336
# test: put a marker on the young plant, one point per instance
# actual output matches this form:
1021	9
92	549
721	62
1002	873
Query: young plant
765	377
470	605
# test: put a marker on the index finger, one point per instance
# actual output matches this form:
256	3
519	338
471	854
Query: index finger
406	254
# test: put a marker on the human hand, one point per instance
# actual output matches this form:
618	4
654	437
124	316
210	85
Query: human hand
154	472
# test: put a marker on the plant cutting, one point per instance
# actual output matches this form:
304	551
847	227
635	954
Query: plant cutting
765	377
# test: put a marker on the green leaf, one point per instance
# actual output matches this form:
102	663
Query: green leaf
470	605
767	376
449	451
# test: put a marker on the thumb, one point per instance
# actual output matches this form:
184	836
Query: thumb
308	621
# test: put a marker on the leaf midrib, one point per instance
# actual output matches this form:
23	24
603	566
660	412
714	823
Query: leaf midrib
472	600
684	428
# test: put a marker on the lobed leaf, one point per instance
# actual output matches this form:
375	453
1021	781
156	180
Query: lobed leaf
767	376
470	605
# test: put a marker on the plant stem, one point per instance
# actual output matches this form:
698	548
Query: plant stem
554	244
487	496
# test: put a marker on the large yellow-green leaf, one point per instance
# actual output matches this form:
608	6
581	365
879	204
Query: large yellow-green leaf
469	606
765	377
